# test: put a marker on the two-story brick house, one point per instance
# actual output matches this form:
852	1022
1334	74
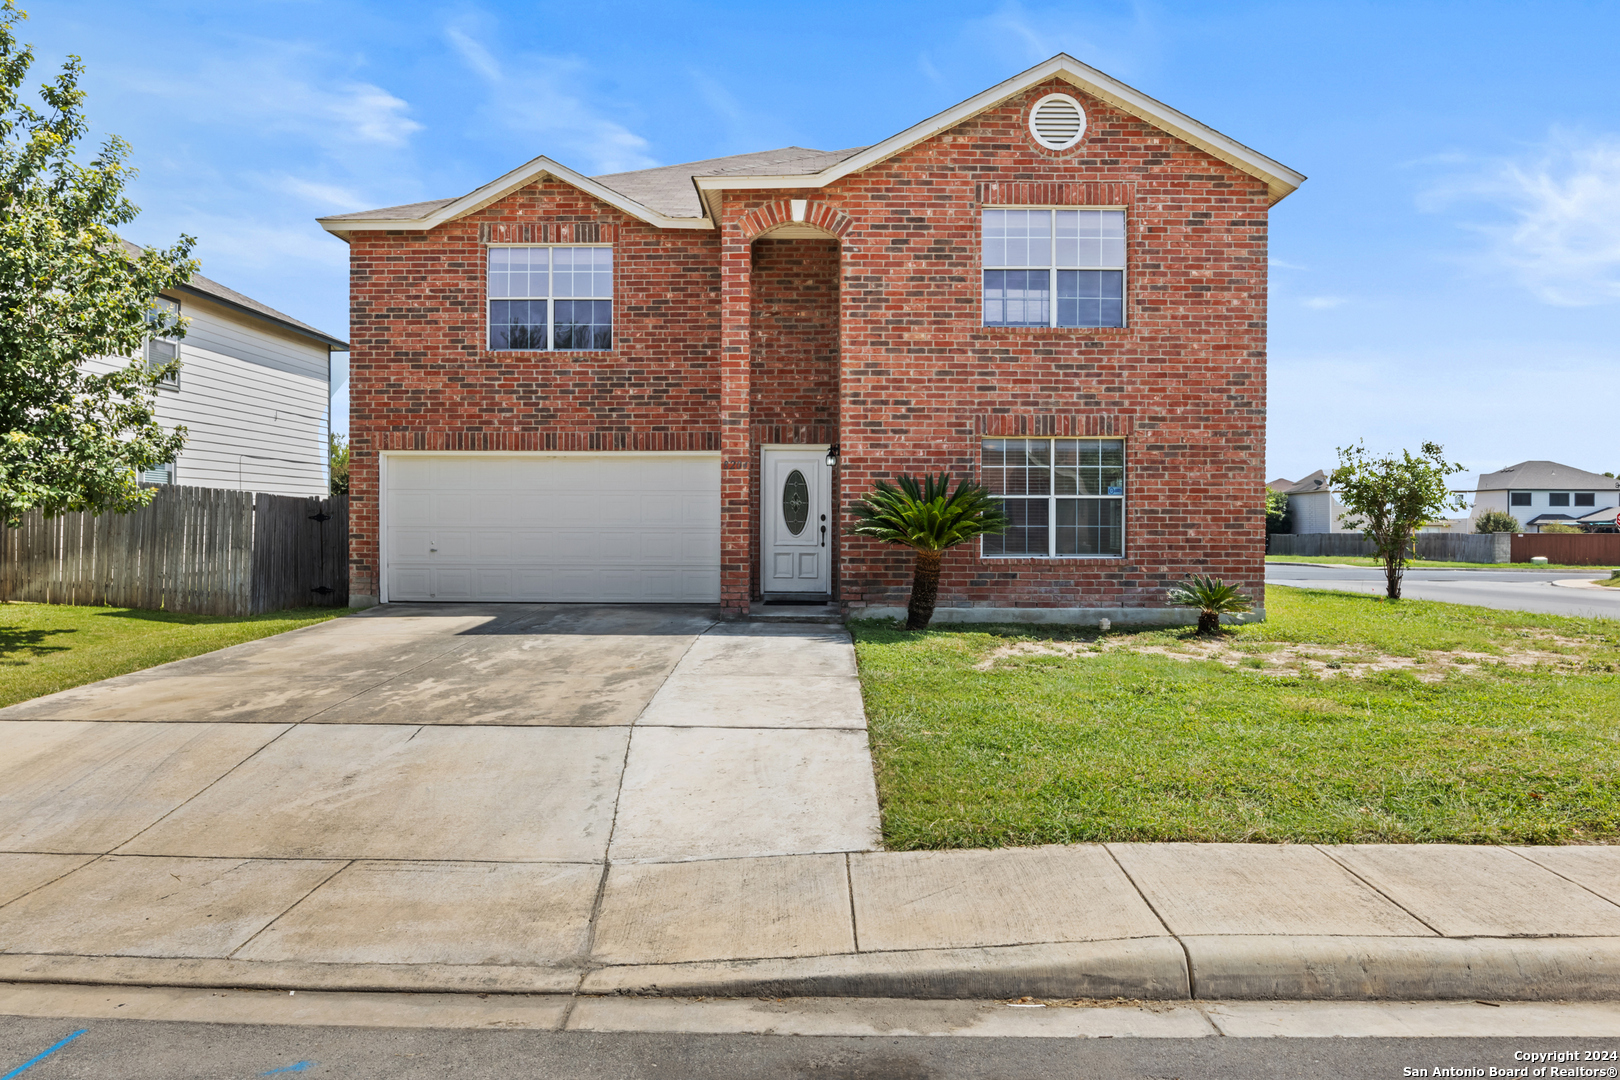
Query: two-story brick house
669	385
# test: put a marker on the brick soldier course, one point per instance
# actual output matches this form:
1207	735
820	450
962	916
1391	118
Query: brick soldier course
862	328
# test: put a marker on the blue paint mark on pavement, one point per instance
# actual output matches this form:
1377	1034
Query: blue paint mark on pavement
297	1066
37	1058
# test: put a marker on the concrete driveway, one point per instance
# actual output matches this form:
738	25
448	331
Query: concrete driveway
501	734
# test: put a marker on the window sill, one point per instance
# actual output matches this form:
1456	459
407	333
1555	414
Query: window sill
1048	558
1054	330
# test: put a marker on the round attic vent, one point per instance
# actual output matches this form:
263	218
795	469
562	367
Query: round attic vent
1057	122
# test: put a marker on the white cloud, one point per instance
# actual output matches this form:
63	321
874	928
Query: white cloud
1282	264
337	198
277	88
542	102
1324	303
1557	219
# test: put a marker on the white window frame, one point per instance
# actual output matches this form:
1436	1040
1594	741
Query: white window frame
550	300
1529	499
1565	495
170	382
1052	268
1052	498
168	475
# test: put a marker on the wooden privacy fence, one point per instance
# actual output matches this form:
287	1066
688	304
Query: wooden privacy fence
207	551
1585	549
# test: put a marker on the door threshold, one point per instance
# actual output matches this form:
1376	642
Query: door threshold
808	601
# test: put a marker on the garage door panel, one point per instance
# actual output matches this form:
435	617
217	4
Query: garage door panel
618	510
631	528
493	545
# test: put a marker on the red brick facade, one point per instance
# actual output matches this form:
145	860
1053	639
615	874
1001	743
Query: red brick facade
873	340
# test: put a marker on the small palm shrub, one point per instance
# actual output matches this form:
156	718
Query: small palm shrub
926	519
1212	597
1495	521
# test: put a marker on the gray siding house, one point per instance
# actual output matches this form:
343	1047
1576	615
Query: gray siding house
254	393
1541	493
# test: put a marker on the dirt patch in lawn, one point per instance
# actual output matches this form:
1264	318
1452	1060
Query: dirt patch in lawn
1543	650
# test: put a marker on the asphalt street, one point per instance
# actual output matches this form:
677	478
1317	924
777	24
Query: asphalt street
1510	590
183	1051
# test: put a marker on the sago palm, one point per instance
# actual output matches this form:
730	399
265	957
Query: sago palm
1212	597
923	517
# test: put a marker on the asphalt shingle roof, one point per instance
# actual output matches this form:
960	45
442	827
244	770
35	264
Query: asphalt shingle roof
668	189
214	290
1543	474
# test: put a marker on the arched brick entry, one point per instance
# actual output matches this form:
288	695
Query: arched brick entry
795	211
742	432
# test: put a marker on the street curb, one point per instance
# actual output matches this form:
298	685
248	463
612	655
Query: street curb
1231	968
1404	968
212	973
1147	968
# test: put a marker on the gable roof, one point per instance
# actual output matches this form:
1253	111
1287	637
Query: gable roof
669	188
1543	474
1317	481
659	196
210	289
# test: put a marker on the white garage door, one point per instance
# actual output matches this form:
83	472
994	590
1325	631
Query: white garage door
624	528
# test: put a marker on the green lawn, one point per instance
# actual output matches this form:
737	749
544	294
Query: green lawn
49	647
1430	564
1341	718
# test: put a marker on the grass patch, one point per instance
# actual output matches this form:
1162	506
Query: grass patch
49	647
1342	718
1426	564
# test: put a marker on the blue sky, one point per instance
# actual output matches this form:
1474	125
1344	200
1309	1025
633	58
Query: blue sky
1451	270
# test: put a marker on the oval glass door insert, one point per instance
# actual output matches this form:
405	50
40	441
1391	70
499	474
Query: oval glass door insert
795	502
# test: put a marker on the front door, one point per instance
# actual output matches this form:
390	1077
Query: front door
796	546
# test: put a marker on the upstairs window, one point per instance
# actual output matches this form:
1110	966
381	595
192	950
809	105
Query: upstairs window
1558	498
550	298
163	350
1586	498
1054	268
1066	497
1518	498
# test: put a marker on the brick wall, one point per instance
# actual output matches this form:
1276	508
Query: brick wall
724	342
922	381
421	378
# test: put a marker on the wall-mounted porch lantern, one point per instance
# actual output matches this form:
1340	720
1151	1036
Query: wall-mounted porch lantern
832	454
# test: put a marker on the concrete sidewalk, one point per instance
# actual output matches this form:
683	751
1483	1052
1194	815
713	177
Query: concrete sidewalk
1151	921
610	801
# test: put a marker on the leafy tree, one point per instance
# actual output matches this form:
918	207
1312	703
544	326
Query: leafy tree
1496	521
71	291
1560	528
929	521
1212	597
1392	497
337	452
1276	511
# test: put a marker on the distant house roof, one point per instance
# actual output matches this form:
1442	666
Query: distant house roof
674	196
1605	516
1280	484
1543	475
1317	481
1548	519
220	294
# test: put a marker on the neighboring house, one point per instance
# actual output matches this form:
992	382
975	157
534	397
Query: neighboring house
1313	508
253	393
1541	493
636	387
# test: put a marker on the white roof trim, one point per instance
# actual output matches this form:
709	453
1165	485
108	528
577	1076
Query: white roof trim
1280	179
491	192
